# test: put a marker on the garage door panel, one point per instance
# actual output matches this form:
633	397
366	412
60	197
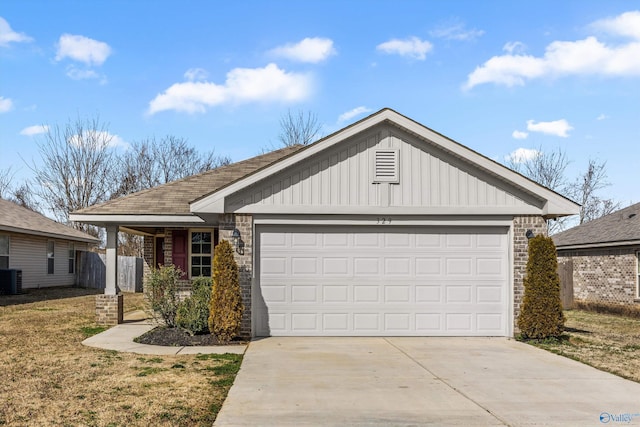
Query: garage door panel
381	281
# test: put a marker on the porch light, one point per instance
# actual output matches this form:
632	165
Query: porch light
235	236
529	234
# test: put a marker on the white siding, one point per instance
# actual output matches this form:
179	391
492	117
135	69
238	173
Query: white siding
29	254
344	178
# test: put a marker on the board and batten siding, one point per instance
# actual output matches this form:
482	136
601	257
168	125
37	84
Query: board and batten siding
29	254
344	177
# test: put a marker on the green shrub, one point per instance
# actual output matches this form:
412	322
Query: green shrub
162	293
226	300
193	312
541	311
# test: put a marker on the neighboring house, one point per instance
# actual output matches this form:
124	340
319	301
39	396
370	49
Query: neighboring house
602	257
382	228
46	251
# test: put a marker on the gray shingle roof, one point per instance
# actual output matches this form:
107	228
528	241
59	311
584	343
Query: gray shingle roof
17	219
173	198
622	226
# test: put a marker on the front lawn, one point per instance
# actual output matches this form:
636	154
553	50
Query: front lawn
49	378
607	342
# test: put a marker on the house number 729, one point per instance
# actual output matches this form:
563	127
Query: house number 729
384	221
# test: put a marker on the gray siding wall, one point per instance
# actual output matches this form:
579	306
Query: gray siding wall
29	254
343	177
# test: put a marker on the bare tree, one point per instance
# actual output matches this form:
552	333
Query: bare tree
548	169
76	168
24	196
585	188
6	177
298	128
152	162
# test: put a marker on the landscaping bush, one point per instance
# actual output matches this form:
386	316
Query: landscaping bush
541	311
162	290
225	309
193	312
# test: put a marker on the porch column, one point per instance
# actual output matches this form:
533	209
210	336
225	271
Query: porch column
110	305
112	260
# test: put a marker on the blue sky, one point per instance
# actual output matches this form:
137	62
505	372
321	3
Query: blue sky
499	77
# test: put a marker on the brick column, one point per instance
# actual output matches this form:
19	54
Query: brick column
521	224
244	224
109	309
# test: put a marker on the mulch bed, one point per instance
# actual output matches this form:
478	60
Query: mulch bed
176	337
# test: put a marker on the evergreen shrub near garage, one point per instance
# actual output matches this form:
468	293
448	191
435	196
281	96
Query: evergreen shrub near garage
193	312
225	308
541	313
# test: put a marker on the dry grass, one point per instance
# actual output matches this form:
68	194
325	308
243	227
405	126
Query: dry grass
50	378
607	342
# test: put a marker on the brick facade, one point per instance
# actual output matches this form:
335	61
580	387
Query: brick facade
606	275
521	224
109	309
244	224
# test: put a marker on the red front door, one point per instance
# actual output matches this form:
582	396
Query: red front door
180	251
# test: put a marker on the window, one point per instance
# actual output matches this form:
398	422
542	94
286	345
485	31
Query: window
72	258
201	250
4	251
51	247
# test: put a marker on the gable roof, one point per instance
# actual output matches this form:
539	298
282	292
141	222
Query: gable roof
553	204
16	219
172	199
616	229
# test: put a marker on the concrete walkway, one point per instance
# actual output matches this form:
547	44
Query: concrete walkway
120	338
421	381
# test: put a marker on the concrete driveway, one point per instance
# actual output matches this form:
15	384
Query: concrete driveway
421	381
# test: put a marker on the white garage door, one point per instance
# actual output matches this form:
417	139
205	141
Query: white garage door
384	280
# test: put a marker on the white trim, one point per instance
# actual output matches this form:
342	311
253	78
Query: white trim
391	210
383	221
556	205
48	235
598	245
149	220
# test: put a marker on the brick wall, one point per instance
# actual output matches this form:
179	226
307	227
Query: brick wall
244	224
604	275
148	255
521	224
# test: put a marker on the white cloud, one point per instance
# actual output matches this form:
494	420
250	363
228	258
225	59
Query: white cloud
242	85
561	58
81	74
457	32
100	137
602	117
522	155
6	104
34	130
353	113
312	50
196	74
7	35
626	25
514	47
556	127
412	47
82	49
518	134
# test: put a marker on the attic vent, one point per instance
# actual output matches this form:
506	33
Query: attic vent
386	166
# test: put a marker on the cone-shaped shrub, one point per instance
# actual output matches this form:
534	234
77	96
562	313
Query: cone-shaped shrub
541	311
225	306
